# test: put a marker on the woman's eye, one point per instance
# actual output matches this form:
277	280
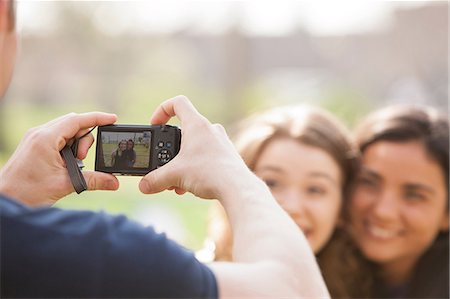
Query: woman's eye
271	183
315	190
367	182
416	196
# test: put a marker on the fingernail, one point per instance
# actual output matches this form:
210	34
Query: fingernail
143	185
111	185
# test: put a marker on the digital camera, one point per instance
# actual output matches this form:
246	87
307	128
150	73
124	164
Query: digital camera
135	149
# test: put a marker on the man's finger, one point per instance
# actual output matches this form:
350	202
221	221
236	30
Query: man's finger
84	145
180	191
69	125
100	181
179	106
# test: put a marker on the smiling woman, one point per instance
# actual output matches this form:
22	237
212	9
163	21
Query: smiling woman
307	159
399	207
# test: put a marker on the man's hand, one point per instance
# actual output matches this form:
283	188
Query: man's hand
36	173
207	164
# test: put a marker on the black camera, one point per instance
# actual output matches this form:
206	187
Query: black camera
135	149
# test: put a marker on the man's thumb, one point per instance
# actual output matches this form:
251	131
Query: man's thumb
156	181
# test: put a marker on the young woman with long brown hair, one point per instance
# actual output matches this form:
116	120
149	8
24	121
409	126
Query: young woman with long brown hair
400	204
307	158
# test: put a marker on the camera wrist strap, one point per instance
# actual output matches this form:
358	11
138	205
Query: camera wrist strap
74	165
76	177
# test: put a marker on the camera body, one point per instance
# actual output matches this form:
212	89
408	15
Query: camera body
135	149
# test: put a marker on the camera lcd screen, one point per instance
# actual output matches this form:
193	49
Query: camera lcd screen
125	151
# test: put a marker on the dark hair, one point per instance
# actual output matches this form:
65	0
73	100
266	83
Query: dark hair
408	123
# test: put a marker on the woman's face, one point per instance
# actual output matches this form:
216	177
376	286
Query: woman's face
122	145
399	204
130	145
306	182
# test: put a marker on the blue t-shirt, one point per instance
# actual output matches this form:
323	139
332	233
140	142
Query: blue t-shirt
49	252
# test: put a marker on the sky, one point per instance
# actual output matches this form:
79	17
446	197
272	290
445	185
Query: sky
257	17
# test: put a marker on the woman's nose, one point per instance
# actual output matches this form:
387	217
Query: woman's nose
385	206
292	203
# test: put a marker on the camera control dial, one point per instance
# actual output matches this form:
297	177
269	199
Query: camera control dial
164	156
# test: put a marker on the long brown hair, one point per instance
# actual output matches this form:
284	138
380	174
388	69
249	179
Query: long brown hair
338	259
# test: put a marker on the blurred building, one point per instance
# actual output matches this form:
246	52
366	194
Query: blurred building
406	62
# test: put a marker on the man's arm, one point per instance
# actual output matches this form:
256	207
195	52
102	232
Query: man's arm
272	256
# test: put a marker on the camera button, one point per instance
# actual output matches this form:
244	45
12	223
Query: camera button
164	156
160	144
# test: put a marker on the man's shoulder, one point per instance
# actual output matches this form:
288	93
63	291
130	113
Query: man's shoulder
103	253
114	236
